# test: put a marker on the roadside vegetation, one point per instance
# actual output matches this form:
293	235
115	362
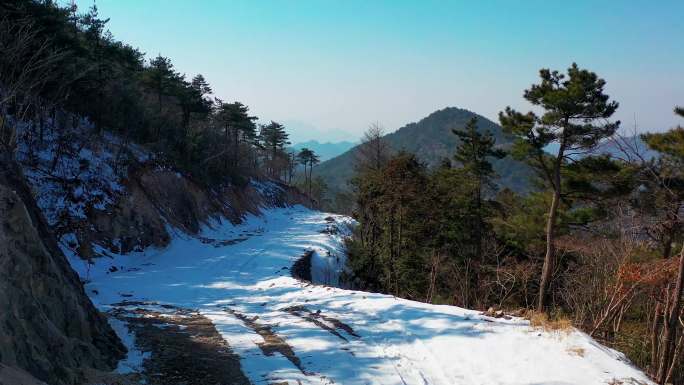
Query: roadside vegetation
597	244
61	68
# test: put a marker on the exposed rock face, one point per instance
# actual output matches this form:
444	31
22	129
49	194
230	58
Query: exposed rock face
48	326
15	376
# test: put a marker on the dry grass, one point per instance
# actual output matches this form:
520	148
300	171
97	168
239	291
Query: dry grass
550	324
576	351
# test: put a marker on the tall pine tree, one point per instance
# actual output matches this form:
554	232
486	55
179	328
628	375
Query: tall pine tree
473	153
575	118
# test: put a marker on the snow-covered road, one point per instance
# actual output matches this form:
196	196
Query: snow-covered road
286	331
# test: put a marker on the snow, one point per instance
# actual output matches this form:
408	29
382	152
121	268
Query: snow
392	341
135	357
83	177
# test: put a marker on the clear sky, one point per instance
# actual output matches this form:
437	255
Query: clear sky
328	68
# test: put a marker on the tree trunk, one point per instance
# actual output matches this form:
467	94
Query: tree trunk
550	257
157	134
478	220
236	146
399	245
670	323
473	267
672	229
675	357
390	278
655	333
225	159
310	172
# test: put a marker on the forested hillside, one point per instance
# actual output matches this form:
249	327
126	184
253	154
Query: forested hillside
432	140
61	68
597	245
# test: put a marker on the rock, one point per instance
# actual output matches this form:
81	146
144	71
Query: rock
494	313
15	376
48	326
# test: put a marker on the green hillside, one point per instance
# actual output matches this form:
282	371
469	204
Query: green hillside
432	140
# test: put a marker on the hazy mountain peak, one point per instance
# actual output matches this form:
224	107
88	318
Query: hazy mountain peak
432	140
326	150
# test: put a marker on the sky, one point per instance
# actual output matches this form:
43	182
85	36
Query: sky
329	68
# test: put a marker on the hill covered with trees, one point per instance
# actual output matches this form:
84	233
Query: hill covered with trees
432	140
60	66
597	245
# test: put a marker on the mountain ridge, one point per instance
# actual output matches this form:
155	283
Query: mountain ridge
431	139
325	150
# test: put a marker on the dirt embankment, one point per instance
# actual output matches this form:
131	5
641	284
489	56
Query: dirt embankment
48	326
156	198
301	268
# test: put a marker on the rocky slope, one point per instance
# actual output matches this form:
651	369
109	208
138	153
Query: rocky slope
48	326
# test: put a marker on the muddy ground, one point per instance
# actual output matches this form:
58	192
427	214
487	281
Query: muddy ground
184	346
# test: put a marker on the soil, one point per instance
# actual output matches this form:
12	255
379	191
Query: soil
185	347
330	324
273	343
301	269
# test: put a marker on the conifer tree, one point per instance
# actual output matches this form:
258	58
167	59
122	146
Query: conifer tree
273	138
236	122
473	153
161	77
308	157
575	118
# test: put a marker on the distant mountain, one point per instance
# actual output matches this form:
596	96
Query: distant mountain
626	148
325	150
432	140
630	144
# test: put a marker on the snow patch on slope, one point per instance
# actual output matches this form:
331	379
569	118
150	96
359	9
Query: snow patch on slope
135	357
69	172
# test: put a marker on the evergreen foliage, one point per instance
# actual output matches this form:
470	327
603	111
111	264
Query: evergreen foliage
432	140
308	159
575	116
79	68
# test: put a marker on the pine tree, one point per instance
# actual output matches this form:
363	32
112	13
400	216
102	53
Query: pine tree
274	138
160	77
308	157
192	99
200	84
576	113
473	154
94	29
236	123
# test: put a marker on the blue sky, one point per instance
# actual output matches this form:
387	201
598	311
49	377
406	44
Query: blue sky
329	68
